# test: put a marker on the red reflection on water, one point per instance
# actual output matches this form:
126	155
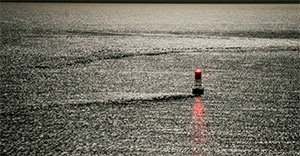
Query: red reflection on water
198	114
198	127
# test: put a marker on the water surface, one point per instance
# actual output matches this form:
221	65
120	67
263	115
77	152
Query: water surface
113	79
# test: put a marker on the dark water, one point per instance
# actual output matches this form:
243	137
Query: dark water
108	79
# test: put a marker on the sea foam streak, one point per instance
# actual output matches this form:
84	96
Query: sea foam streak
122	98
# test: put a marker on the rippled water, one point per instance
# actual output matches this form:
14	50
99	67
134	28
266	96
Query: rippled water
113	79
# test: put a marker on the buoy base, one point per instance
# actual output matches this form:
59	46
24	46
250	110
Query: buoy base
198	91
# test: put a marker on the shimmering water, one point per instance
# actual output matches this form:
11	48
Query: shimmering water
109	79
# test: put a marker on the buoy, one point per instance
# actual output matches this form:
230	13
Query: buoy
198	89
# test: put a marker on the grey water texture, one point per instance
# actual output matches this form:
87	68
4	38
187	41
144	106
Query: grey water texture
117	79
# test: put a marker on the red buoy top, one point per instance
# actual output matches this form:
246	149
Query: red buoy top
198	74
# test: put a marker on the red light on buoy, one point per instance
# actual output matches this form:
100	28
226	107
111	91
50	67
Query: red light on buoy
198	90
198	74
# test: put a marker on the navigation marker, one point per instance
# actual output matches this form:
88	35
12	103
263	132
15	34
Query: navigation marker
198	89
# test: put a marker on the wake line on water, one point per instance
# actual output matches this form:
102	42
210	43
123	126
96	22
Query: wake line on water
133	99
142	54
65	61
271	34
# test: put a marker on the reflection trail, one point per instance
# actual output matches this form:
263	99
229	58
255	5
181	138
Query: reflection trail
198	128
